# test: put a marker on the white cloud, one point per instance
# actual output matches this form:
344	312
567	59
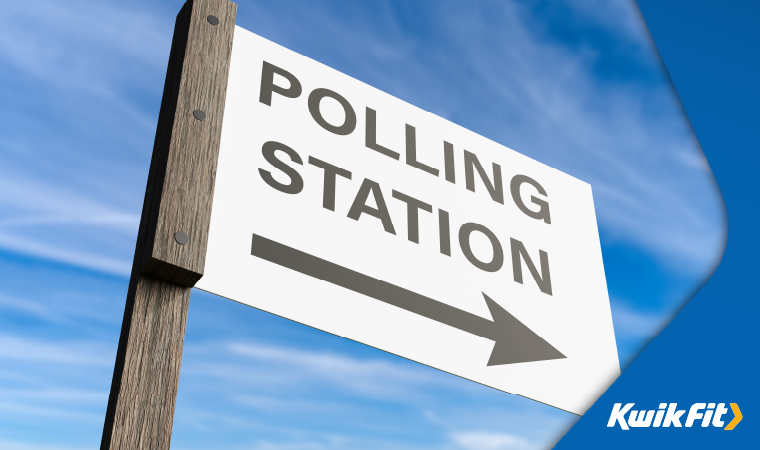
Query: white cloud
287	367
73	164
55	395
26	445
278	392
73	150
67	308
44	410
304	445
629	142
621	17
85	353
492	71
486	440
495	72
89	258
30	307
634	322
84	43
55	382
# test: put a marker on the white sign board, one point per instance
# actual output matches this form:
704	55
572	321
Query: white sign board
344	208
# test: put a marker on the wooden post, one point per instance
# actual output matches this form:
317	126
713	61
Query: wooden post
171	242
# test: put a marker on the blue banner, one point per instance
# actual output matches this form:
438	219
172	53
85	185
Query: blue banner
695	385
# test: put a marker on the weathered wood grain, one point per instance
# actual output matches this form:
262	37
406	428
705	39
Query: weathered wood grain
183	170
178	197
141	406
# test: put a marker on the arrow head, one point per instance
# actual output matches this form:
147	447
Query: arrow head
516	343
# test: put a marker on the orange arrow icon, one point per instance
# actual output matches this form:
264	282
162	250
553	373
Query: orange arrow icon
737	417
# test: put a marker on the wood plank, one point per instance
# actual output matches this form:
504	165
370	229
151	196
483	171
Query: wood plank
140	411
178	197
181	184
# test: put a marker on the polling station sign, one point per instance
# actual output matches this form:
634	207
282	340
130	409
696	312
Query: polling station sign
346	209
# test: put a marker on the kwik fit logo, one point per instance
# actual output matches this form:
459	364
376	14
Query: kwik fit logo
707	414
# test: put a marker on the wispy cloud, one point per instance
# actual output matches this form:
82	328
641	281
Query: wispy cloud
86	78
480	440
54	385
85	44
334	398
45	351
378	379
44	410
82	82
24	445
75	256
498	71
635	322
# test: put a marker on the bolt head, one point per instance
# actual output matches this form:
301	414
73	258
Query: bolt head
181	238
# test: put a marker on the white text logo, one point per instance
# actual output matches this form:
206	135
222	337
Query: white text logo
668	415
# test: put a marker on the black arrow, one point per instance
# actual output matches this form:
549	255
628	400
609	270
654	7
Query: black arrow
514	342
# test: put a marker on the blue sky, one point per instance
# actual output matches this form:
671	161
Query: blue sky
575	85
